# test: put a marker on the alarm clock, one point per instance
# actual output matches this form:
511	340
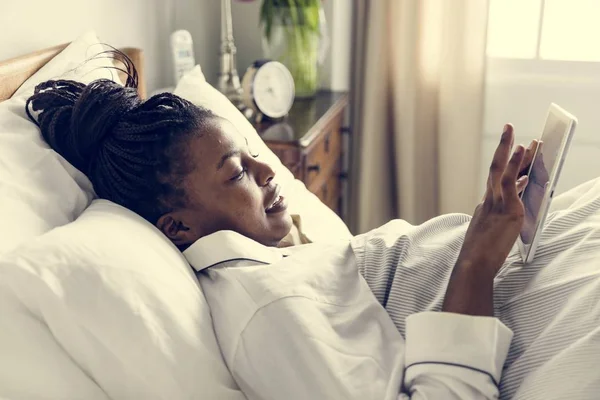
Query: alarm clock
268	90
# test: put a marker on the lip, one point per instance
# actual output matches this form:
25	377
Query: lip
280	206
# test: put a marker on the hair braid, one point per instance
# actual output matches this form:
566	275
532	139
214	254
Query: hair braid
130	149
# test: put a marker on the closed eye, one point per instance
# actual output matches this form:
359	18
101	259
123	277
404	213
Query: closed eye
239	176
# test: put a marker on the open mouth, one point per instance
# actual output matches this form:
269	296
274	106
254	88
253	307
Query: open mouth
275	204
278	203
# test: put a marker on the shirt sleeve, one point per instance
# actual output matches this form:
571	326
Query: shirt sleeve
448	356
454	356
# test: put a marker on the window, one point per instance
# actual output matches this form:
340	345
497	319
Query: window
567	30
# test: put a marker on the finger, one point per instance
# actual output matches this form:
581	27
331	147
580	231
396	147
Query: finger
509	189
499	162
522	183
488	190
541	172
529	153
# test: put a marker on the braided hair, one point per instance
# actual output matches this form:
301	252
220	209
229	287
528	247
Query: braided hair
133	151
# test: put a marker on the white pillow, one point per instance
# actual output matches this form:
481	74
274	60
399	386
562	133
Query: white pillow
113	304
33	364
319	222
39	189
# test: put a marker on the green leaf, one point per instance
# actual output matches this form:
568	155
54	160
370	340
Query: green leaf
301	16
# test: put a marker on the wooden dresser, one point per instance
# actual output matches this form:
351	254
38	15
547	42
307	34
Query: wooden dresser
309	142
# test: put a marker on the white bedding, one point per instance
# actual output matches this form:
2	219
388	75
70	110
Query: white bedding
106	307
39	190
552	305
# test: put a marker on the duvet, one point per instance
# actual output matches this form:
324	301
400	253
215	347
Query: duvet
552	305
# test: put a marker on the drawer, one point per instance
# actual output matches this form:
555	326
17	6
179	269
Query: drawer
323	155
329	192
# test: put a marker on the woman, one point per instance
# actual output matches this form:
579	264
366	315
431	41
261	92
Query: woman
192	174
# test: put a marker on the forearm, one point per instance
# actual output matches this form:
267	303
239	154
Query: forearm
470	290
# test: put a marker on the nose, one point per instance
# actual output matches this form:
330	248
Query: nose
265	173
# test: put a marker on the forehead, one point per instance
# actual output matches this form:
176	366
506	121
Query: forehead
218	137
221	131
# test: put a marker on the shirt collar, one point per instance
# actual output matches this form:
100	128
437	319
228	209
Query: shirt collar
225	246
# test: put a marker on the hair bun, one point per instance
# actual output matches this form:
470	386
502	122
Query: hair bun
77	119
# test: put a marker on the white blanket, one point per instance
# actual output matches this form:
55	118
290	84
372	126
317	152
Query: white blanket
552	305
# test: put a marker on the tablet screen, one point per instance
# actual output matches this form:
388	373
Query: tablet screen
544	162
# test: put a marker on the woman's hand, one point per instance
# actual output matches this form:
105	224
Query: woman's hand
538	181
492	232
530	152
525	164
497	221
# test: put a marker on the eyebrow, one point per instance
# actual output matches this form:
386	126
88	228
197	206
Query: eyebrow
226	156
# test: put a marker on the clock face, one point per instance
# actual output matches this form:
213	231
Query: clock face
273	89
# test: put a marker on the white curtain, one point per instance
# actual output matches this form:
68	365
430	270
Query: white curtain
417	95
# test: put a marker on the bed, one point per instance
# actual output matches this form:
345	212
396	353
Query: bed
95	303
14	72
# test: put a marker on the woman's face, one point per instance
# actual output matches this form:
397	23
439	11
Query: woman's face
228	188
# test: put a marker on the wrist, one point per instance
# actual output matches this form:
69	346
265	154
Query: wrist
482	265
478	269
470	290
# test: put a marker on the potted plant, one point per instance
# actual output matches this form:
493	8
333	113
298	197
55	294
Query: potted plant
291	33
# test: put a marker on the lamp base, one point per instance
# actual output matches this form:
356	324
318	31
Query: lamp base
229	85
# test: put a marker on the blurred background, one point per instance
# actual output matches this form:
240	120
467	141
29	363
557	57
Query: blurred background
430	82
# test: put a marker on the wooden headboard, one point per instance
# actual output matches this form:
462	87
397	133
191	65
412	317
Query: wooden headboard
15	71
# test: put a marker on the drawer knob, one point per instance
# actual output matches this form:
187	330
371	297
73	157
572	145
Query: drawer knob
314	168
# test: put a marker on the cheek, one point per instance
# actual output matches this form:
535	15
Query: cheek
239	209
241	202
250	200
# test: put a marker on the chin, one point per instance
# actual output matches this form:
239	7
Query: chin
287	222
280	229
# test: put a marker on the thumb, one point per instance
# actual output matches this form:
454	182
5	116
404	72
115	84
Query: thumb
522	183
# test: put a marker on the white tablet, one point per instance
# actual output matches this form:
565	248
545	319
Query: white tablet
543	175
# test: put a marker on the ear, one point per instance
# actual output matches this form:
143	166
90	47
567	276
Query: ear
177	229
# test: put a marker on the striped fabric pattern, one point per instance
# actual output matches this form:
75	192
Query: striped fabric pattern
552	305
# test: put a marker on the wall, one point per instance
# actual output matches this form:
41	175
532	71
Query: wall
520	91
31	25
34	24
202	19
336	68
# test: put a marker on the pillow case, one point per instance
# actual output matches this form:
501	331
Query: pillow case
38	188
116	307
319	222
33	365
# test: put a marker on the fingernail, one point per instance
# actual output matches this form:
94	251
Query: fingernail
505	129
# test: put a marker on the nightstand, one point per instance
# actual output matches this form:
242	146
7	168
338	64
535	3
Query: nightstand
309	142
